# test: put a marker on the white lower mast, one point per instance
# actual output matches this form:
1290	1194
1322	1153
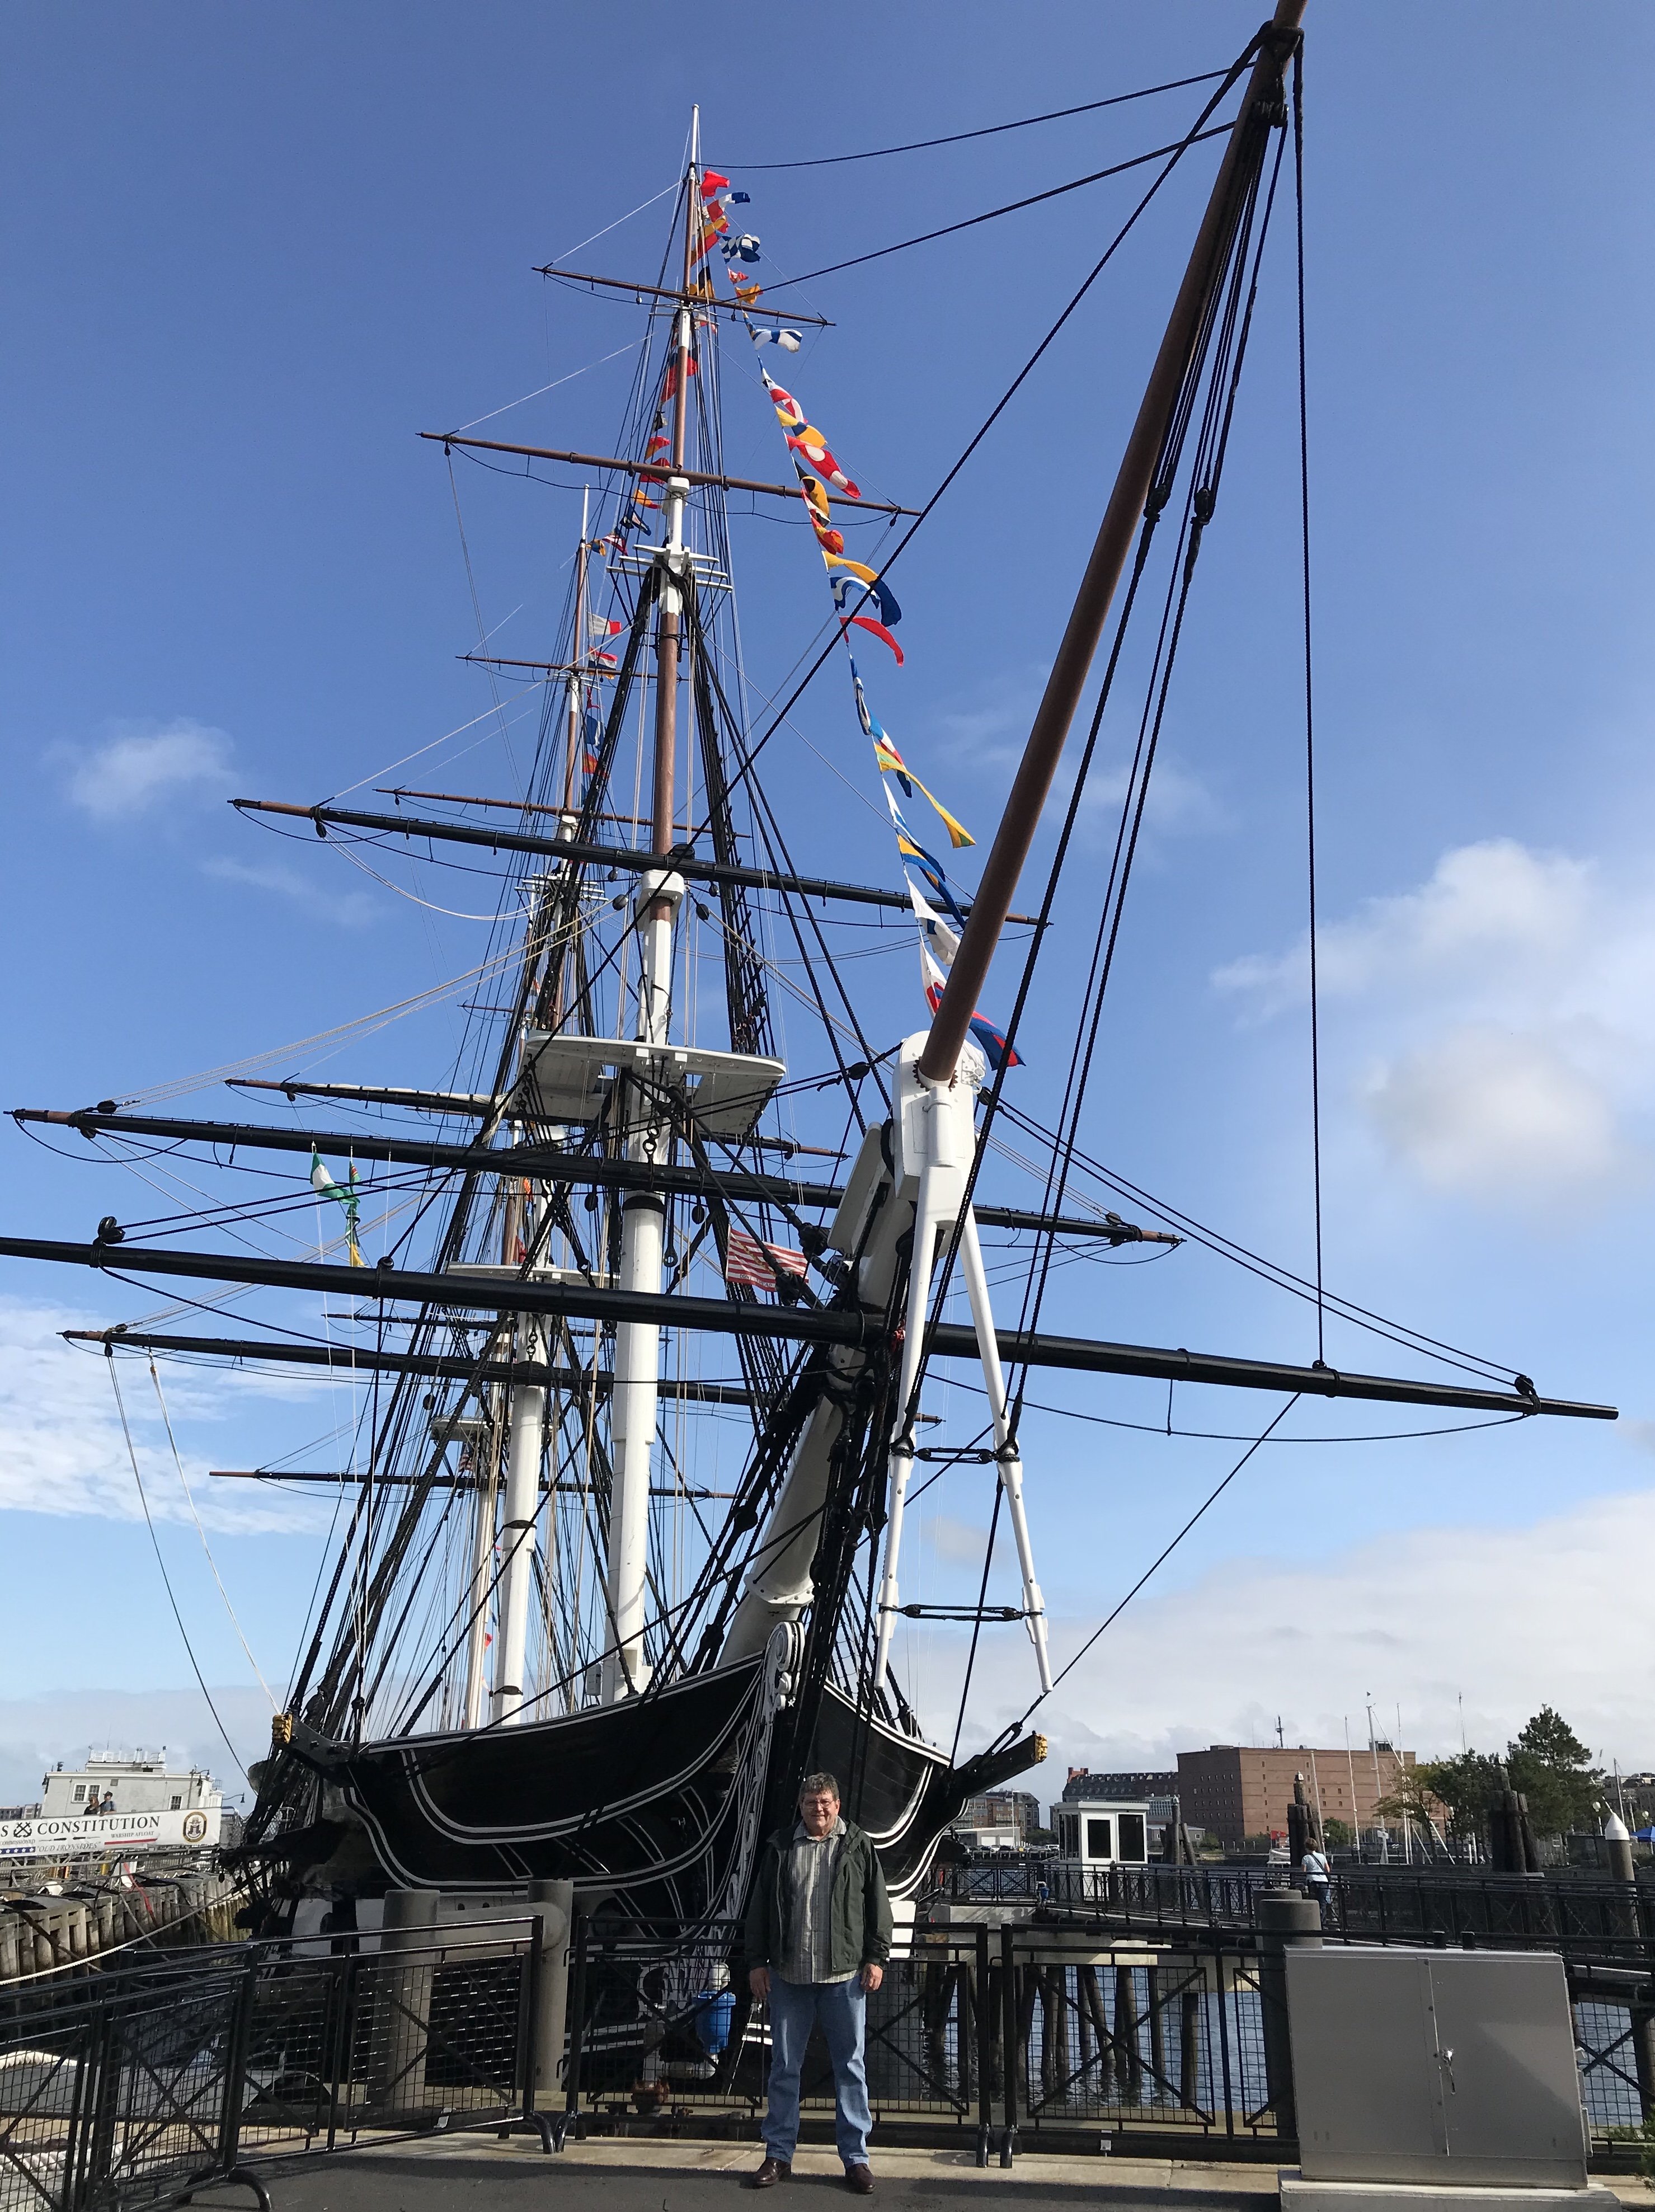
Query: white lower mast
649	1134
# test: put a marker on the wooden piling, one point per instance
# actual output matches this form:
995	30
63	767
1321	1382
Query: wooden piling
1129	2060
1092	2008
1189	2047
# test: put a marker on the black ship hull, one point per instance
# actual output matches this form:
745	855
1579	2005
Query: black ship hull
653	1803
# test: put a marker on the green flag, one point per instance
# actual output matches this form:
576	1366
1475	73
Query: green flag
324	1185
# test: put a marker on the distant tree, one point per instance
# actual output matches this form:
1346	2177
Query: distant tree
1469	1786
1548	1737
1548	1763
1545	1760
1340	1836
1413	1796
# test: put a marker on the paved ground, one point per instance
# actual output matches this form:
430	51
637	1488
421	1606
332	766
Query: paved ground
480	2174
599	2176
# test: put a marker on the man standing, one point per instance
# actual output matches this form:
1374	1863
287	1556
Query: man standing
1317	1874
818	1935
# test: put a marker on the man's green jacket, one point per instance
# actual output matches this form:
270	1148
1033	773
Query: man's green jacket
860	1919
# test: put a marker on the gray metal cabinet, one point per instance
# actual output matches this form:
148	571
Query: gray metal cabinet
1420	2065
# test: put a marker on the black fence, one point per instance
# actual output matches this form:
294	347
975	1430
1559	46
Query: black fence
123	2088
1034	2034
1005	2035
1586	1917
128	2089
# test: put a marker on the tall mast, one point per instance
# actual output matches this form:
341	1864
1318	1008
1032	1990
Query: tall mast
638	1344
530	1405
485	1461
525	1448
998	884
577	692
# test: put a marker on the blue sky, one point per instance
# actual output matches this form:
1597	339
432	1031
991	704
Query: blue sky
249	254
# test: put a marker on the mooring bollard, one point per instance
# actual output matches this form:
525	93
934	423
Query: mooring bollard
1281	1917
553	1902
401	2024
1627	1917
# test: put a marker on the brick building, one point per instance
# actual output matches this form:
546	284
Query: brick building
1235	1790
1017	1812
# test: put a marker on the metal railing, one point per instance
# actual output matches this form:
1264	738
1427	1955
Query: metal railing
1006	2034
1041	2030
119	2090
1586	1917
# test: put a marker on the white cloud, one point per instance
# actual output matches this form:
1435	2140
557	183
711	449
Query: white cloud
349	909
139	764
1511	1618
1491	916
36	1732
1177	800
1488	1111
1508	1008
960	1541
62	1448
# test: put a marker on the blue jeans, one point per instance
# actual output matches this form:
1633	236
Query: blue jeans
842	2009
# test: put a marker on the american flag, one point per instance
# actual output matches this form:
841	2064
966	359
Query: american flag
747	1259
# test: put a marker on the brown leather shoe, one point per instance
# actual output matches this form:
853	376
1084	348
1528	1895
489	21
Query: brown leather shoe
860	2179
773	2170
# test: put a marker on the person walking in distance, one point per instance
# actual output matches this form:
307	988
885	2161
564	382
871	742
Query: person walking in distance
818	1935
1317	1874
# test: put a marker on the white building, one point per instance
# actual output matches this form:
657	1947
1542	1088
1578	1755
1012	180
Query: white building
115	1805
1103	1831
143	1784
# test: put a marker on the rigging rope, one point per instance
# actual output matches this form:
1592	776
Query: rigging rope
189	1499
987	131
360	1024
982	1600
1011	207
541	389
1216	369
132	1453
1155	1565
1224	381
1004	401
1268	1271
676	185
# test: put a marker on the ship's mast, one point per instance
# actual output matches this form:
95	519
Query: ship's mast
649	1133
527	1426
525	1448
485	1462
577	692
